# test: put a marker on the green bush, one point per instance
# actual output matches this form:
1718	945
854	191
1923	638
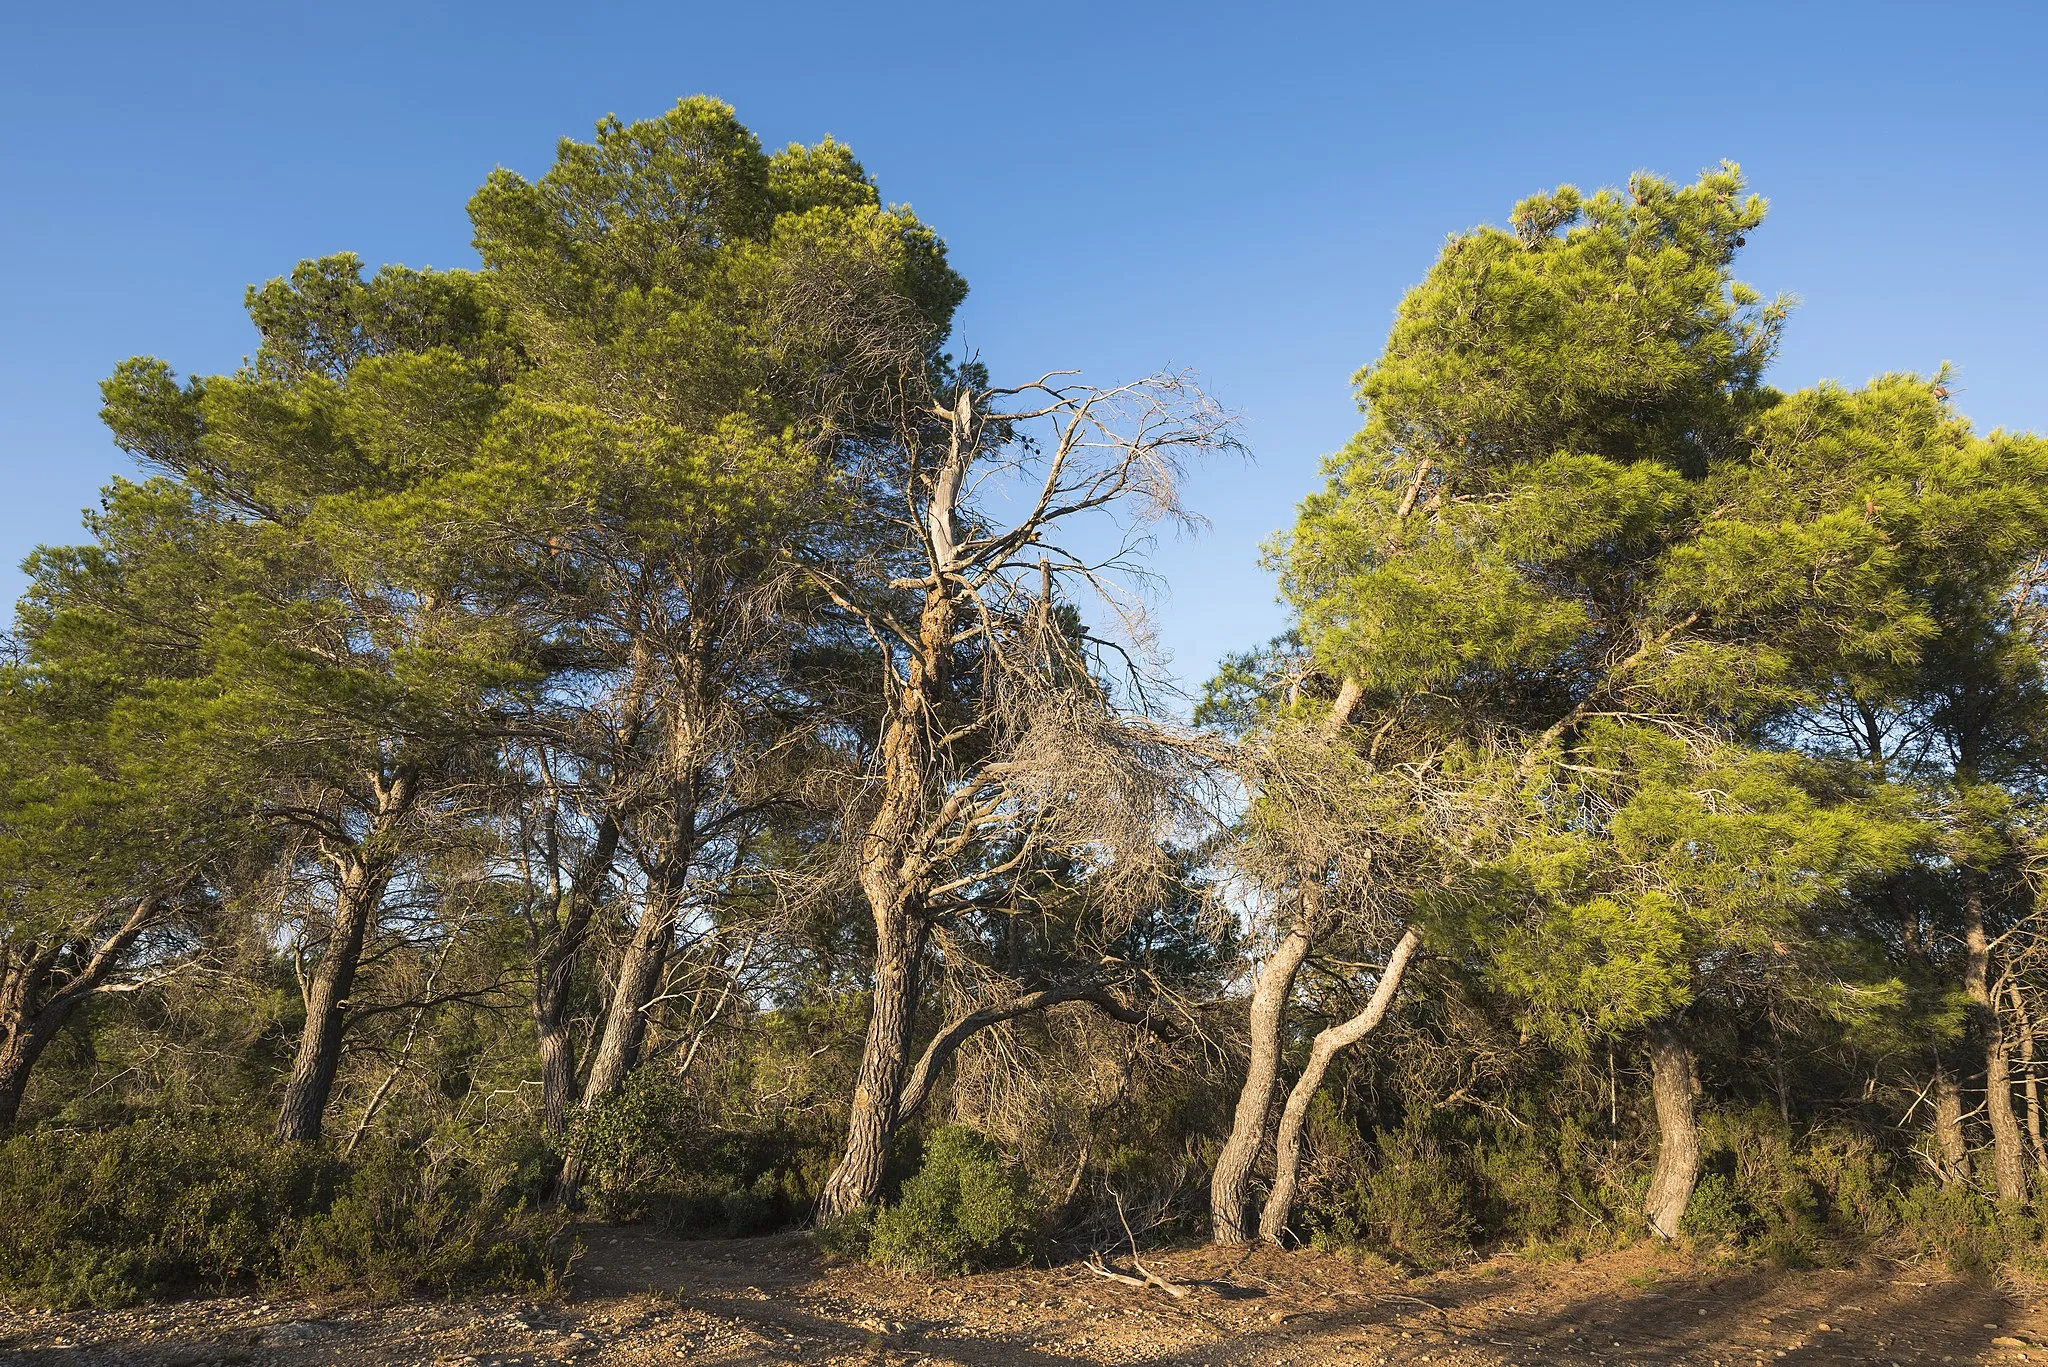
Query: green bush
652	1159
399	1224
109	1217
966	1208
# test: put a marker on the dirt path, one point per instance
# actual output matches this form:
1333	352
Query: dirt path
638	1298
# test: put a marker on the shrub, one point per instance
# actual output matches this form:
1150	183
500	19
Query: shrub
401	1224
651	1158
109	1217
965	1208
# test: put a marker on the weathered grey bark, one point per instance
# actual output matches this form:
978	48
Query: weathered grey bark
1230	1184
884	1067
2008	1155
1677	1172
38	997
893	868
1328	1043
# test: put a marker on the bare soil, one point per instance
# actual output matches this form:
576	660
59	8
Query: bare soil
636	1298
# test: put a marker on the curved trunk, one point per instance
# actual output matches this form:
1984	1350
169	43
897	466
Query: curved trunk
1229	1186
884	1067
918	1089
35	1006
1328	1043
1678	1137
894	877
21	1044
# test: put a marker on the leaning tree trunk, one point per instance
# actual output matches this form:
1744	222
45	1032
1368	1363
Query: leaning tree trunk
30	1017
35	1007
884	1067
27	1025
1229	1186
1287	1144
1678	1137
327	999
625	1019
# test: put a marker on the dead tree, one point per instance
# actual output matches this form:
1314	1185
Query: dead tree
993	729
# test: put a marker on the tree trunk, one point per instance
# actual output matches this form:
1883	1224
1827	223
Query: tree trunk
36	1001
554	973
2030	1082
327	999
884	1066
2007	1148
1229	1186
1287	1144
1678	1138
895	874
21	1044
1951	1145
2008	1156
625	1020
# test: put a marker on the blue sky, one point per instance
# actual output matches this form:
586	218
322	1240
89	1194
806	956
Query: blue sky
1244	191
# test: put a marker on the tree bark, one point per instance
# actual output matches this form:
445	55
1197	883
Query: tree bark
311	1082
2030	1082
365	873
554	972
1229	1186
1328	1043
1951	1145
884	1066
894	875
2008	1150
37	1000
640	974
1678	1139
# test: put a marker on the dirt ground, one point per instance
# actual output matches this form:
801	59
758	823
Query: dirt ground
639	1298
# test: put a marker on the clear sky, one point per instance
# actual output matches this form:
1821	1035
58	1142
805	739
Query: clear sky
1241	190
